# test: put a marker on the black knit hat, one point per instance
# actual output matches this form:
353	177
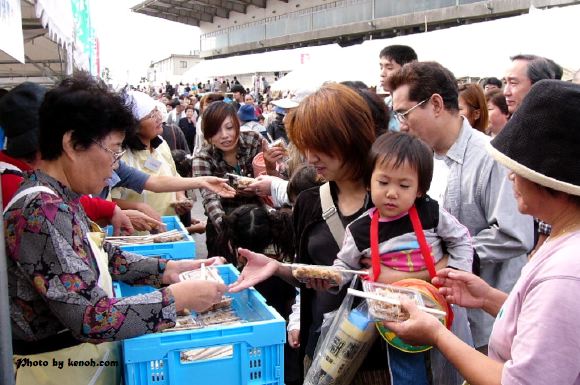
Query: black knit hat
19	118
541	141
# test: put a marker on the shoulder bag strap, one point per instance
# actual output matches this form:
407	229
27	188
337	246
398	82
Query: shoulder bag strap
330	214
28	191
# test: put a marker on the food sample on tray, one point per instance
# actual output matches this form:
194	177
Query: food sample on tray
164	237
305	272
223	316
390	308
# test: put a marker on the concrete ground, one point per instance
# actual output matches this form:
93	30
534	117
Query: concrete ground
197	212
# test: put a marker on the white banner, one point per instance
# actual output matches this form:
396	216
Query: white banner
11	38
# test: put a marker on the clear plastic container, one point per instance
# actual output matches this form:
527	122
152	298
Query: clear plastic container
390	311
210	273
239	182
304	272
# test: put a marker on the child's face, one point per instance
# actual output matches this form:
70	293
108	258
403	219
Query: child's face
394	190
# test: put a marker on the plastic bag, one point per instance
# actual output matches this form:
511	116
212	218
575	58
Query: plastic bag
444	373
342	349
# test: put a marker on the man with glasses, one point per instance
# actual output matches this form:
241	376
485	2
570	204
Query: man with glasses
478	192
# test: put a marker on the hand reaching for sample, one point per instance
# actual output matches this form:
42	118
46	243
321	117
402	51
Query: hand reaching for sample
143	222
121	223
262	185
219	186
258	268
462	288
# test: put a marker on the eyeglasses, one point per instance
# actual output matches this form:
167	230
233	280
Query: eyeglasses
402	116
155	114
116	155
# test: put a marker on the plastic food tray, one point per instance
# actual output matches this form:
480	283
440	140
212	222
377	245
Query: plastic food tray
251	352
386	311
170	250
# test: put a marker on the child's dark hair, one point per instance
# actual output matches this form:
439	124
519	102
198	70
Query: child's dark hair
255	228
403	148
183	163
303	178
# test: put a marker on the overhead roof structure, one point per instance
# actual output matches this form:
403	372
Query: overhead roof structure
47	49
193	12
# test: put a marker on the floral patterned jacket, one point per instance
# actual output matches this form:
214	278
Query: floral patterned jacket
52	274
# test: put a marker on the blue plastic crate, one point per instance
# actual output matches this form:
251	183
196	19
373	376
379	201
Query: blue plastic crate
171	250
257	346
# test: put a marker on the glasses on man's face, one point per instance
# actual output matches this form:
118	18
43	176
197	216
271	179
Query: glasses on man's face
116	155
402	116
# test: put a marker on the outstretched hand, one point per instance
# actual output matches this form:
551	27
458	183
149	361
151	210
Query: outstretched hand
258	268
420	329
219	186
462	288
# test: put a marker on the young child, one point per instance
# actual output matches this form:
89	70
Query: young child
269	232
402	168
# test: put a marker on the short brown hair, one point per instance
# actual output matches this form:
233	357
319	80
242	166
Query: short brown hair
336	121
401	148
209	98
213	117
497	98
425	79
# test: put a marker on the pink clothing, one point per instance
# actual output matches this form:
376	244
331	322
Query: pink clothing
536	332
404	260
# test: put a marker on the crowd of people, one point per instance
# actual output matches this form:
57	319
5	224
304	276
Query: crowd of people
324	169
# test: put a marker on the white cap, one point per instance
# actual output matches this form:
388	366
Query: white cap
294	100
141	104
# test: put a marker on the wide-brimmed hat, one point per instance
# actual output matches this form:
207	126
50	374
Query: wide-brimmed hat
19	118
541	140
247	113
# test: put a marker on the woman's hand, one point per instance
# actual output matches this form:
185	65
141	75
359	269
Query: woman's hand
258	268
462	288
318	284
420	329
262	185
143	222
148	210
197	295
272	155
219	186
121	223
294	338
176	267
182	206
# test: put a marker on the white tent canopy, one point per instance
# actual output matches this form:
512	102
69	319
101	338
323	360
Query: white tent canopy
283	60
48	34
480	49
